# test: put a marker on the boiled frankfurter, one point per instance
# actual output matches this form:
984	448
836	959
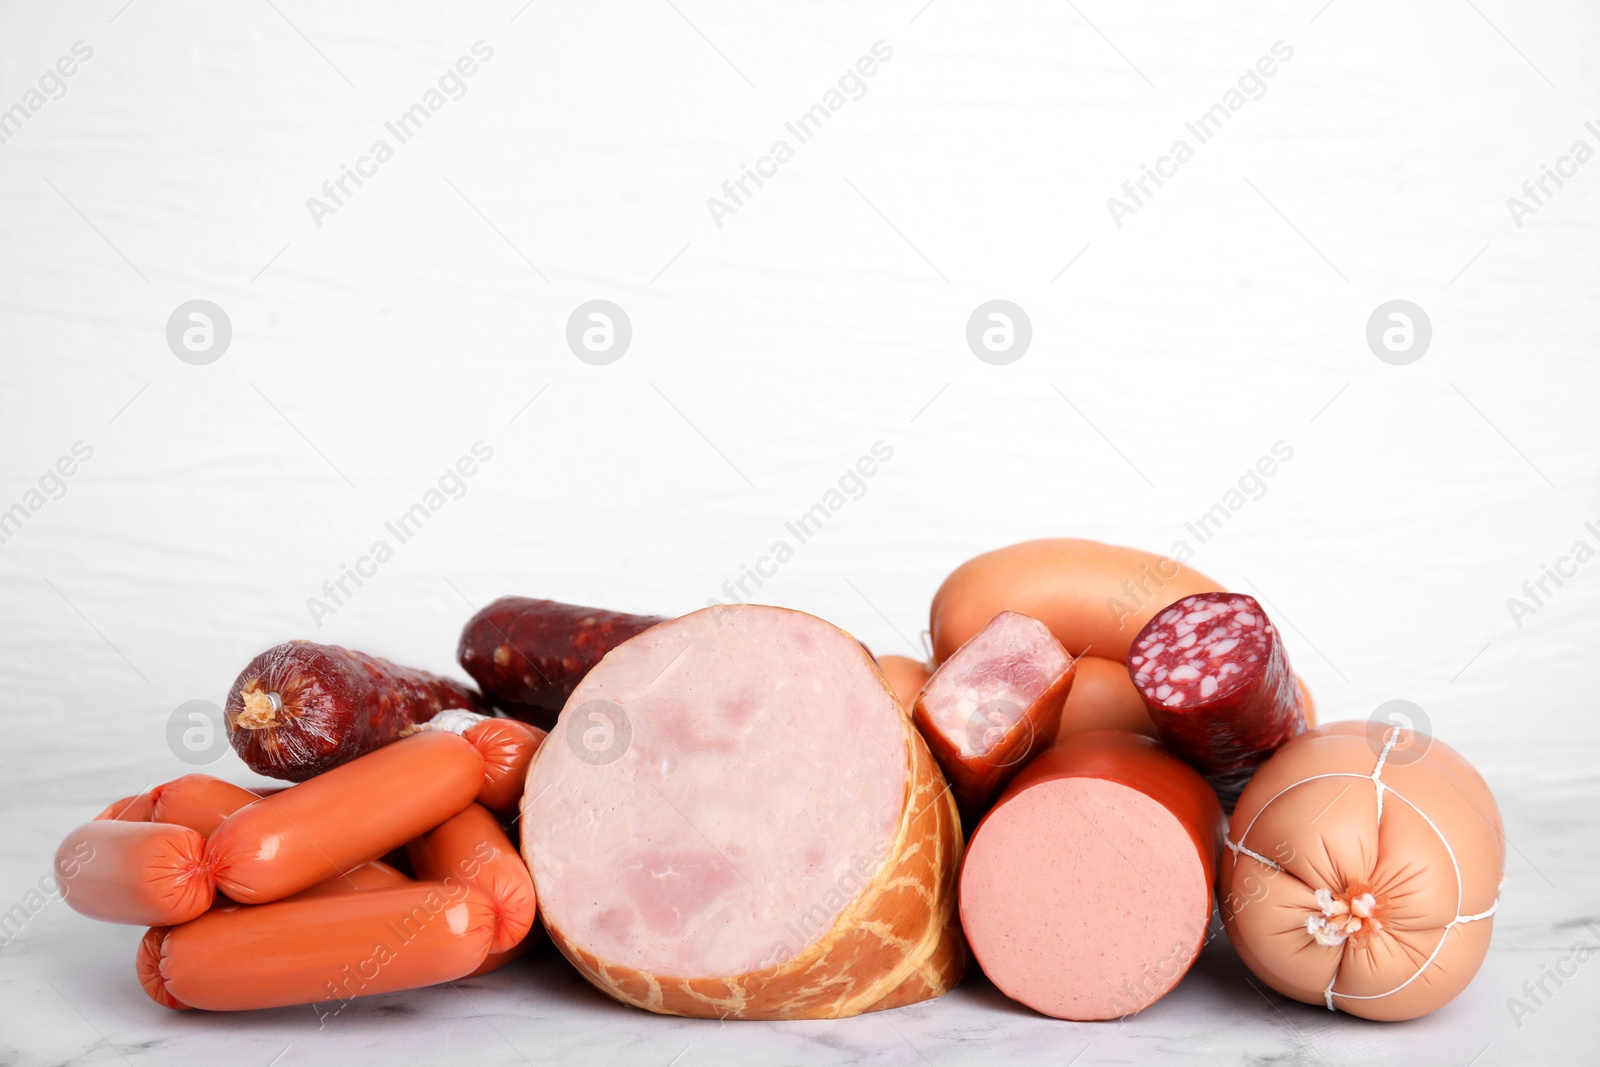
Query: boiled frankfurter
343	818
198	801
374	875
317	950
129	809
470	848
142	873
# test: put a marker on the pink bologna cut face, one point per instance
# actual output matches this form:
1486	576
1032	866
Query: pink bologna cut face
715	792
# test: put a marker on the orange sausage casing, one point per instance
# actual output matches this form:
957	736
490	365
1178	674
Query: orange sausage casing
470	848
1103	697
906	676
147	965
1363	871
343	818
129	809
143	873
1094	597
321	949
374	875
198	801
506	745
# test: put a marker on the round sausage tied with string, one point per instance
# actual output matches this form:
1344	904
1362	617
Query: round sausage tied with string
1363	871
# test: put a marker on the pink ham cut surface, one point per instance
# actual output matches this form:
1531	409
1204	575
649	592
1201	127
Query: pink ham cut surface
734	818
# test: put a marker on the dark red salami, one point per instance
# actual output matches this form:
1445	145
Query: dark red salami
529	655
301	708
1213	672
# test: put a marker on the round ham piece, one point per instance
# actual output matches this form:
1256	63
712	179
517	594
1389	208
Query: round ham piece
1363	871
734	818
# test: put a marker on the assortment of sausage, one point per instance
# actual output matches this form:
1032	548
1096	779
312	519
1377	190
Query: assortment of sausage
744	814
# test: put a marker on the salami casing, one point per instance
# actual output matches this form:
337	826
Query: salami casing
528	655
1213	672
301	708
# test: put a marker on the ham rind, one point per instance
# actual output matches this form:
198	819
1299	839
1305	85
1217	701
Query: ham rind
993	703
1213	672
1086	890
733	818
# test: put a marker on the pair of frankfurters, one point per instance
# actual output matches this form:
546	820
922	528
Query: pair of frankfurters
295	854
162	873
371	930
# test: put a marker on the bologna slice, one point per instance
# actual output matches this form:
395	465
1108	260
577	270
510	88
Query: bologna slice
1363	871
528	655
1215	677
1086	890
1093	596
993	703
733	818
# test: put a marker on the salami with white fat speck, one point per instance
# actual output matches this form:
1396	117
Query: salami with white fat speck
1212	670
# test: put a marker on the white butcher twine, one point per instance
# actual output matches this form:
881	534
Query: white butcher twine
1323	929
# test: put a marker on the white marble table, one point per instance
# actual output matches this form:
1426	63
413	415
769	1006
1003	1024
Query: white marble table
770	349
68	995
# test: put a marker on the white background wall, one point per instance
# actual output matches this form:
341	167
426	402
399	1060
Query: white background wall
768	354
